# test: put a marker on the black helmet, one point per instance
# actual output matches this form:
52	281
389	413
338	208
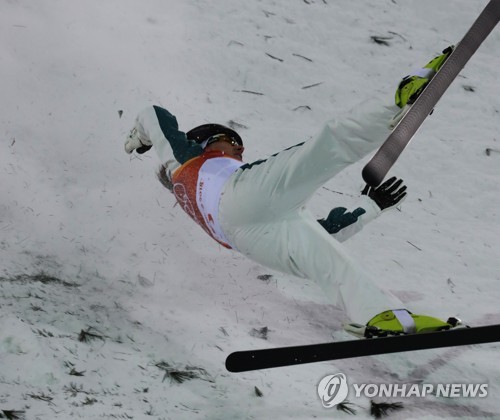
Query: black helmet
204	132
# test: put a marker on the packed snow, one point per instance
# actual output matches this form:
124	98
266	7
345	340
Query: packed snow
107	289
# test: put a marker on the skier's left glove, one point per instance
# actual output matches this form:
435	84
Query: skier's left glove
391	193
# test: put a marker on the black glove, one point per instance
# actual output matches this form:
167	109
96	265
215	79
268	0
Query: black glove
387	195
339	218
143	149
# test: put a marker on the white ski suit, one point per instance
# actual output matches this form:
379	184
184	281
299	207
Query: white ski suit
259	209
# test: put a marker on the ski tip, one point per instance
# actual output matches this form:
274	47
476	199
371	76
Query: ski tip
371	175
231	363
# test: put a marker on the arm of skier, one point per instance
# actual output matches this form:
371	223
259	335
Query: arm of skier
342	224
157	127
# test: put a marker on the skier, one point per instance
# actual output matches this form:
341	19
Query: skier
259	208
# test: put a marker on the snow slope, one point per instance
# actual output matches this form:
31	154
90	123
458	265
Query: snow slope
92	246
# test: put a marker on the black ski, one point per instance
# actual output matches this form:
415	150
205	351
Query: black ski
242	361
376	169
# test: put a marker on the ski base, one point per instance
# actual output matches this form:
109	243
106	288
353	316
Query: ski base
243	361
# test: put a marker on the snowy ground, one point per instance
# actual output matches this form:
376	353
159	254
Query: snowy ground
105	287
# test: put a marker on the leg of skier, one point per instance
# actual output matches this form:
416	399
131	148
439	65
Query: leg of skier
298	245
288	179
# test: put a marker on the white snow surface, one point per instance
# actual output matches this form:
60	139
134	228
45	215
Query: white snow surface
90	241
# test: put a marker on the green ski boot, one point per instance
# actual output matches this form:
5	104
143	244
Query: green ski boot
412	85
400	322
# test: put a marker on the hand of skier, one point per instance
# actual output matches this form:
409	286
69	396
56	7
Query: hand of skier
339	218
137	140
387	195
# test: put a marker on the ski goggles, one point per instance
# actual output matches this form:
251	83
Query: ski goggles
220	137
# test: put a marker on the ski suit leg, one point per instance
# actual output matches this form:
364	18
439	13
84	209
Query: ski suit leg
266	190
261	211
298	245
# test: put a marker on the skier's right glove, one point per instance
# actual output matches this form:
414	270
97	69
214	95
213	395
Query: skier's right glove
389	194
412	85
137	140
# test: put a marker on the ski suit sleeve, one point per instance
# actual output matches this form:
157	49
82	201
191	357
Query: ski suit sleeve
161	127
342	224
